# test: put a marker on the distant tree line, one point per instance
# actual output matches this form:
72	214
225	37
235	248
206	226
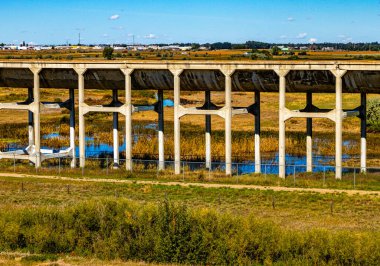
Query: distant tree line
254	45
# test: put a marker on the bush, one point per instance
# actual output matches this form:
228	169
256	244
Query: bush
171	233
373	115
108	52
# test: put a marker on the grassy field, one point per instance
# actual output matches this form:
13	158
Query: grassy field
67	219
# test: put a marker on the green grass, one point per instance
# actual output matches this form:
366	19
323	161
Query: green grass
102	169
174	233
299	210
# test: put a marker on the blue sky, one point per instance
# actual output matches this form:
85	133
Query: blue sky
167	21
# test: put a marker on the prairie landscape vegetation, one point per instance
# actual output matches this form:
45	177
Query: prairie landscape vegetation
191	225
59	221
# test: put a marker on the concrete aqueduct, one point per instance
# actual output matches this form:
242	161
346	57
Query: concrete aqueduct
268	76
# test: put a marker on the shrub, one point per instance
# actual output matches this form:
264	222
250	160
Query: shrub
373	115
108	52
172	233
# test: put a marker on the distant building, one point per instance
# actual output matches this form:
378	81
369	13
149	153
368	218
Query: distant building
329	49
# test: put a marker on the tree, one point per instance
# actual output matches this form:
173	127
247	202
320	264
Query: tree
275	50
108	52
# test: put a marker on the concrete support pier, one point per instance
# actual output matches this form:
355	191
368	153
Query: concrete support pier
177	123
257	133
309	135
338	122
82	131
30	118
161	142
37	115
281	129
128	119
228	123
363	129
208	130
72	127
116	155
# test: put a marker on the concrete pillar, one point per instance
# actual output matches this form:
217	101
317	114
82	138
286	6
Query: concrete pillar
257	134
161	147
228	123
128	119
208	131
309	135
72	127
115	133
338	125
282	100
82	129
177	123
37	115
30	118
363	140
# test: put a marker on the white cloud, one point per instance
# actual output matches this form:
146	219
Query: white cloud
313	40
150	36
105	35
118	28
283	37
114	17
302	35
345	38
291	19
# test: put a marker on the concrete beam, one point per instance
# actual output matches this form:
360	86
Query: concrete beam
102	109
182	111
288	114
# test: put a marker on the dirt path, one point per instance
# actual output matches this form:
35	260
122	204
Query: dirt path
203	185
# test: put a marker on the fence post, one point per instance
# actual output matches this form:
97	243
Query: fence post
265	171
14	163
107	164
183	171
354	178
209	172
324	175
157	168
59	165
294	175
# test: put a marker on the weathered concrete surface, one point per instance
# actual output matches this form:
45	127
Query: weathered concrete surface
314	76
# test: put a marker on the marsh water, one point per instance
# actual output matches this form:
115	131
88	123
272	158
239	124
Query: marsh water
270	161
